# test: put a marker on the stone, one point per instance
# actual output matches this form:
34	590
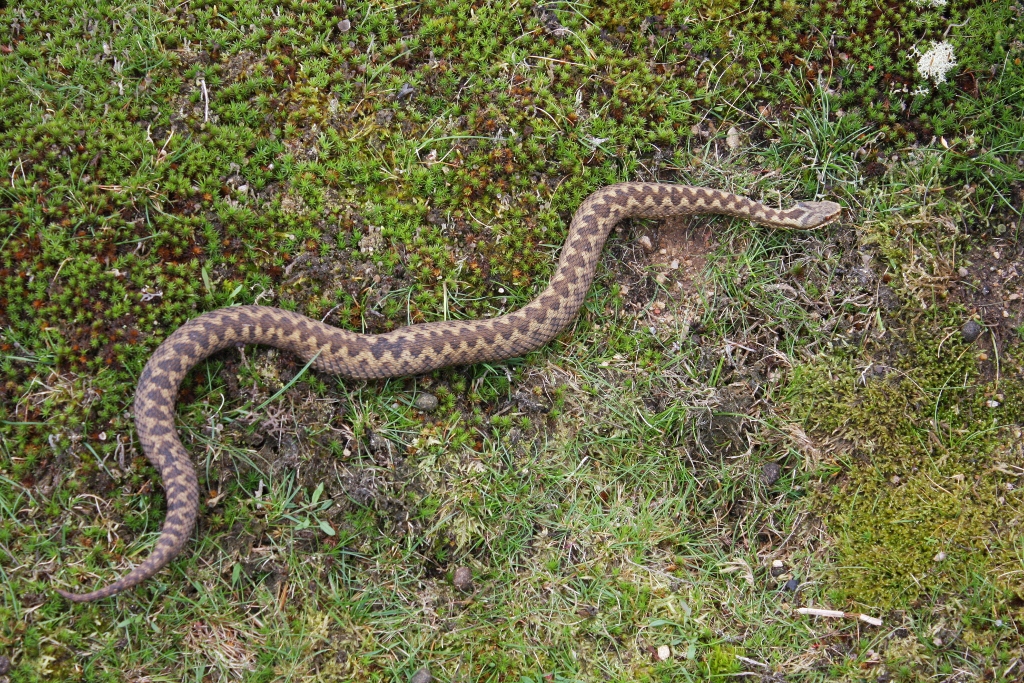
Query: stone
971	331
732	138
770	473
426	402
422	676
463	579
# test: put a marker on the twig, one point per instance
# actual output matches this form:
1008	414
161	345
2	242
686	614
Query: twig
753	662
206	100
874	621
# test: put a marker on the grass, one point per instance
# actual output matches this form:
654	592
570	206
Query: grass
740	423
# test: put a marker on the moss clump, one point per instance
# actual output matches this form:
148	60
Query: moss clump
722	660
929	502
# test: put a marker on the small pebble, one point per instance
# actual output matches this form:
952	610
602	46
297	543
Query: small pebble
971	331
732	138
770	473
791	585
529	405
344	25
5	665
940	556
426	402
645	242
463	579
421	676
664	652
963	272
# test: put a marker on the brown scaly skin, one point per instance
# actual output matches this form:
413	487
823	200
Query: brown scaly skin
407	351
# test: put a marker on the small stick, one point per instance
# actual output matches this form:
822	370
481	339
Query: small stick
206	100
874	621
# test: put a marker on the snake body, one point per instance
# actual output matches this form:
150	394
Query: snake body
406	351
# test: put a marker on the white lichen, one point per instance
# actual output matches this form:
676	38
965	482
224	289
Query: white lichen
937	62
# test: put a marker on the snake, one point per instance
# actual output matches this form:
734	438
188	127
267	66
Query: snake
409	350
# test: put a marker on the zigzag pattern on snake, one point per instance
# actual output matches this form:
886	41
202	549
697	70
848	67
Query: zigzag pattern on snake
406	351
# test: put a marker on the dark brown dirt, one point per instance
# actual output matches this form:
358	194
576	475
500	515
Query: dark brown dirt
990	285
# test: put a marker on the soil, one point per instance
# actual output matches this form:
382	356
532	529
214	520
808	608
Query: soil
990	285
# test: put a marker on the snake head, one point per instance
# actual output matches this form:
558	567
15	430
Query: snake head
818	214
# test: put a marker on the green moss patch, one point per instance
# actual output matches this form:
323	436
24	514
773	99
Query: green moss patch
928	499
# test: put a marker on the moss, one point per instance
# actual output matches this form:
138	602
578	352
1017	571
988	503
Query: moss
722	660
927	502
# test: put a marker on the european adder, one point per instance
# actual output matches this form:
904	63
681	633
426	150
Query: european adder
406	351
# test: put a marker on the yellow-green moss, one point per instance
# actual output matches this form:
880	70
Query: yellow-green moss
928	499
722	660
